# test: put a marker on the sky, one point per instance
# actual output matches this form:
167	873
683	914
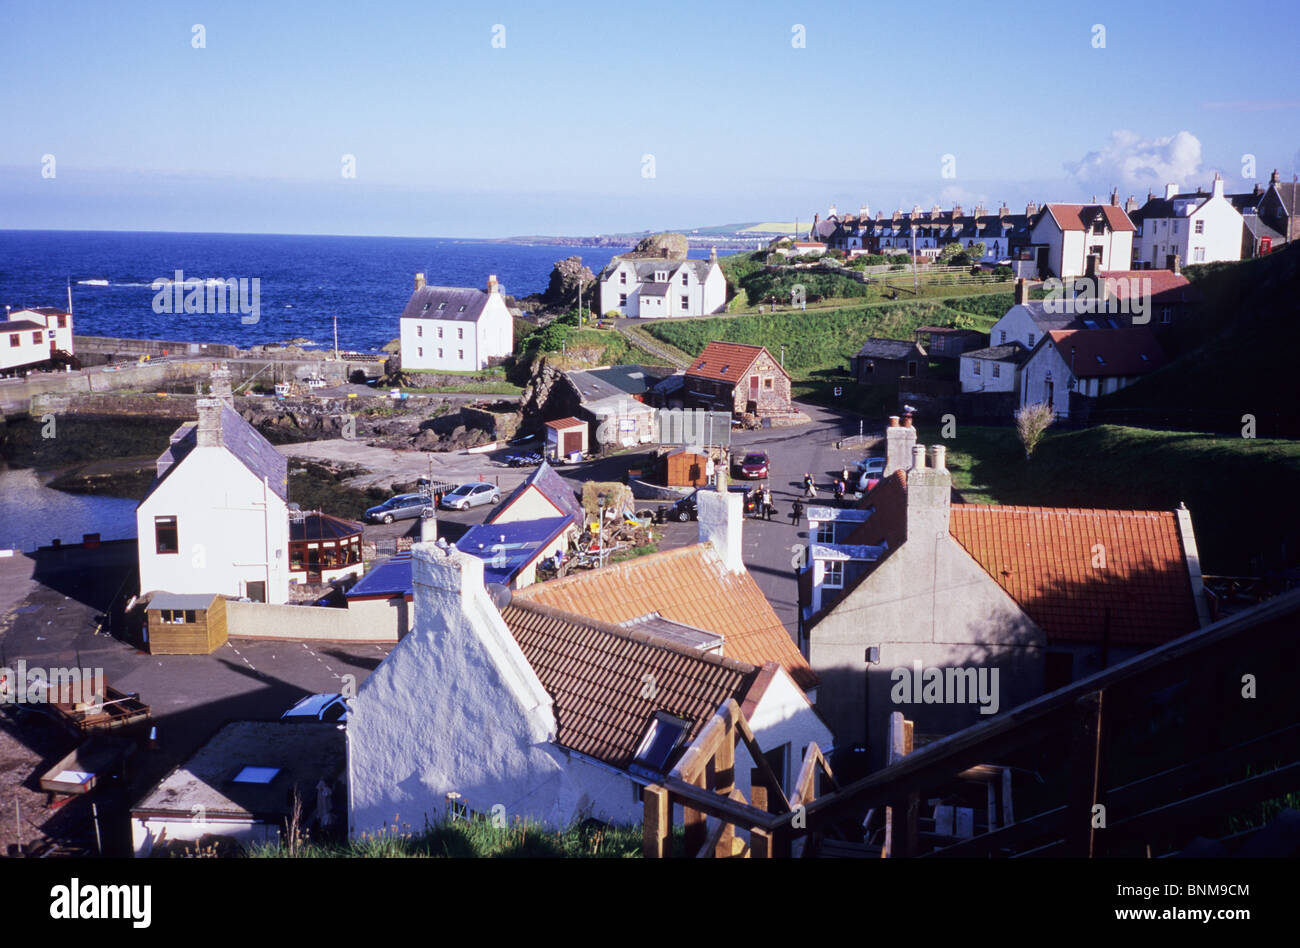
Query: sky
502	119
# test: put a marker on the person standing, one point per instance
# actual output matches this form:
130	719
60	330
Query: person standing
709	475
767	503
796	513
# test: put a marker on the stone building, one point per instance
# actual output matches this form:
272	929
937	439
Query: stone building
739	378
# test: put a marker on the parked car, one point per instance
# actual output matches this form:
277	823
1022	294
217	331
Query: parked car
400	507
868	481
873	466
754	465
688	507
328	708
469	495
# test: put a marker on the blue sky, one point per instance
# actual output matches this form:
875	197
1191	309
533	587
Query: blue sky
453	137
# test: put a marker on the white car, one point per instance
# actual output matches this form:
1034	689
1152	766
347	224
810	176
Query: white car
473	494
873	467
330	708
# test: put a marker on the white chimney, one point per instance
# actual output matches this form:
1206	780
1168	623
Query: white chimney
938	458
419	281
1171	190
918	457
1217	188
428	526
721	518
899	440
929	498
492	286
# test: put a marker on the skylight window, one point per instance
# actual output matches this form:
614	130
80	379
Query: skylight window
1100	360
442	305
662	736
262	775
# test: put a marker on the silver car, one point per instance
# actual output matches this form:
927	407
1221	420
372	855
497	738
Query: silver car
400	507
469	495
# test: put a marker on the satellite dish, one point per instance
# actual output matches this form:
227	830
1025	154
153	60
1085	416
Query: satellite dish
500	594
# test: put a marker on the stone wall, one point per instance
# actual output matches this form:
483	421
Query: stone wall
268	621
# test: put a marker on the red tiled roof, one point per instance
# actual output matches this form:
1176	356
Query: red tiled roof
569	422
724	361
1108	352
1166	286
1078	216
888	521
690	585
596	677
1043	557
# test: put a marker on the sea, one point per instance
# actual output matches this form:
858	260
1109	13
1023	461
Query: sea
304	281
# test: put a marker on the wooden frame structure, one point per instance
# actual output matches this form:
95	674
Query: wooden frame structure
1234	742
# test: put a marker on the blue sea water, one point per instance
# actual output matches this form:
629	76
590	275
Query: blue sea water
305	280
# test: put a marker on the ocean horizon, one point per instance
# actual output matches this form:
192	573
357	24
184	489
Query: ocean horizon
305	280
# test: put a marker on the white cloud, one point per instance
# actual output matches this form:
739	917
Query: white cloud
1130	161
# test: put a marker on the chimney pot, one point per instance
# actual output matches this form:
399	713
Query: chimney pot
893	421
939	454
918	457
492	283
419	281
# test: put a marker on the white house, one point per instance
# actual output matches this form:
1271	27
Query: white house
215	519
657	286
31	336
1196	228
1092	362
455	328
529	711
1066	235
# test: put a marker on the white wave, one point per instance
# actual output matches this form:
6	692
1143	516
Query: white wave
92	283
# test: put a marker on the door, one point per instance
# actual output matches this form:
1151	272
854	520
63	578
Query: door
753	388
572	442
256	591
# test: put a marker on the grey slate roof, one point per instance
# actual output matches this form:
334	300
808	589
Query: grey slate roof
1064	318
1011	352
630	379
239	438
887	349
554	487
462	304
1259	229
15	325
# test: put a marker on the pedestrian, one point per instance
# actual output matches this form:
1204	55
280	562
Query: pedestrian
796	513
767	504
839	490
708	471
844	474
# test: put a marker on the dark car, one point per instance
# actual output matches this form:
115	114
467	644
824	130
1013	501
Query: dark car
401	507
688	507
754	465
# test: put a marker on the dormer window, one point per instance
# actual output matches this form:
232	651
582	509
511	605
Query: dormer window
661	276
442	305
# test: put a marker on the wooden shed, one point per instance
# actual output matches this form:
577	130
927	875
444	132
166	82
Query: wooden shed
189	624
686	469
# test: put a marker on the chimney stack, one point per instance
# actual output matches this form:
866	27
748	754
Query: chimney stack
1216	189
1093	266
721	516
898	445
1174	263
428	526
1114	197
419	281
209	429
1130	205
713	255
1022	291
221	386
492	286
1274	178
929	498
1171	191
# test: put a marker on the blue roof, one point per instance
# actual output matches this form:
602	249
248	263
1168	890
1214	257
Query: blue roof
505	548
390	578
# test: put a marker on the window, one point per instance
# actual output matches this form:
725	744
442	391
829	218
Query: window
622	277
14	340
686	279
776	759
1003	338
439	332
767	383
419	350
442	305
63	322
1200	227
462	308
440	353
826	532
661	738
426	307
460	332
833	578
261	775
165	535
1166	315
38	337
1031	339
1198	256
460	353
419	330
997	370
686	302
979	366
622	299
911	370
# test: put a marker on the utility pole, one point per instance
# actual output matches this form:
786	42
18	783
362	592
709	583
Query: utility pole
916	283
783	355
336	336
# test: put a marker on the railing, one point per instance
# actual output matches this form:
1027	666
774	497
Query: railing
1132	770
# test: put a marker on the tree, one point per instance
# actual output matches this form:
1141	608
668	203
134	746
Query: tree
1032	422
949	254
976	251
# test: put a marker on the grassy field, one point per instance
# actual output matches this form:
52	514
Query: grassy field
1136	468
468	388
475	839
824	340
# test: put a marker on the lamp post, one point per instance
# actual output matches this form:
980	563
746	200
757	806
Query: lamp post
600	527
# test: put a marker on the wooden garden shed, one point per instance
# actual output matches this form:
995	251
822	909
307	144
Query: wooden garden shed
685	469
188	624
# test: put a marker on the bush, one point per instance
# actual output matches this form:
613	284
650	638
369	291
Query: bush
1002	273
